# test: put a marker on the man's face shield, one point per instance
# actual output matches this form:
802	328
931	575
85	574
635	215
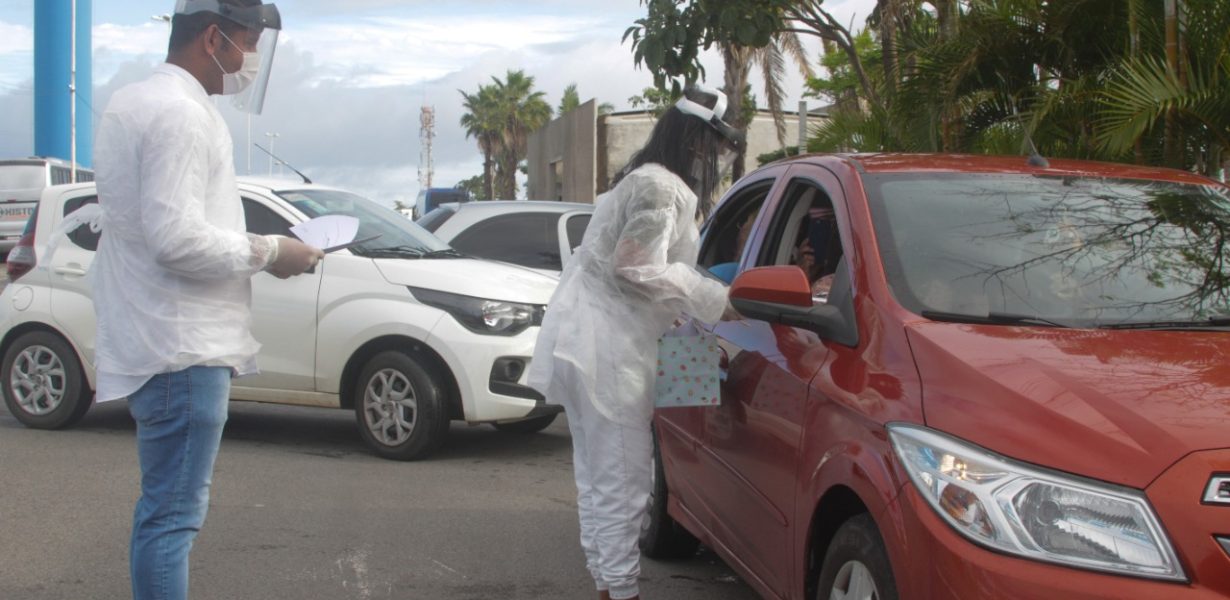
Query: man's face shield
252	99
263	22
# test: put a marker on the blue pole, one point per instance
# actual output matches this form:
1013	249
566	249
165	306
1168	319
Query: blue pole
85	83
52	70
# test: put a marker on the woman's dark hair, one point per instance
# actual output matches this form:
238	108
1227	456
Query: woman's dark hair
186	28
677	140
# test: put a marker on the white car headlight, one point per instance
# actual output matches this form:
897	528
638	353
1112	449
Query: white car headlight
490	317
1033	512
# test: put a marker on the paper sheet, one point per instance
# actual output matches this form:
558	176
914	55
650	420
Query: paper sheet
327	231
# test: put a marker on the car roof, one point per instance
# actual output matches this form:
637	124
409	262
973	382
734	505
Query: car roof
275	184
39	161
516	205
970	163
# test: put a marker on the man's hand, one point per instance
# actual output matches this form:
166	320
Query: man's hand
294	257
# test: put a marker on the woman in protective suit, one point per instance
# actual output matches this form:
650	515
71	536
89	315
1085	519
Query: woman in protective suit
633	275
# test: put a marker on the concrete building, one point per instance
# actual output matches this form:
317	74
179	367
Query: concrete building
574	157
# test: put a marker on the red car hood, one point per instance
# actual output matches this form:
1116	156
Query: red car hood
1119	406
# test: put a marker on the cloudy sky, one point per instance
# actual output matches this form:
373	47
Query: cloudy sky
350	77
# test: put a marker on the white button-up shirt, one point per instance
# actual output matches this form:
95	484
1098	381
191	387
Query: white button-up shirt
171	277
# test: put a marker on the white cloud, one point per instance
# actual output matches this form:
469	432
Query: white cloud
381	52
350	77
131	40
15	38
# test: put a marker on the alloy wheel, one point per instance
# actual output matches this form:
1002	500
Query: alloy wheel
390	408
38	380
854	582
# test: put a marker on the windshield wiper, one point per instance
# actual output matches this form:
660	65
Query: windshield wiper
993	318
395	252
1213	321
445	253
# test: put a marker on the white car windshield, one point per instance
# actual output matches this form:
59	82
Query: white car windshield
398	235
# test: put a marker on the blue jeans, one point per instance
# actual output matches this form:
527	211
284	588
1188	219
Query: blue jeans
179	419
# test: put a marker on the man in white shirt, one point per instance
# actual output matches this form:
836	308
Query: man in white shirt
171	277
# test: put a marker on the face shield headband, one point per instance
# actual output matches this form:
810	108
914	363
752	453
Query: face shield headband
263	18
712	116
260	16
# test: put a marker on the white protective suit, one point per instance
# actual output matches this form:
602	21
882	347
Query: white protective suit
597	353
170	279
621	290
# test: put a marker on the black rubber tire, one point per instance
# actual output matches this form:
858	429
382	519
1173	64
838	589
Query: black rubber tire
526	426
662	537
77	397
857	540
431	420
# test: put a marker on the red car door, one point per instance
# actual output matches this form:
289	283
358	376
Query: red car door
752	440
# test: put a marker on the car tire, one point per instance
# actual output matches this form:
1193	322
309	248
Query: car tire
526	426
856	564
662	537
400	407
43	383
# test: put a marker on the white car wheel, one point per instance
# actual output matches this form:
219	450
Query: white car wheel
856	565
854	582
44	386
390	409
401	409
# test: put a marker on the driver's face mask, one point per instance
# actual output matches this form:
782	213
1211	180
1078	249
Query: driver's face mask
233	83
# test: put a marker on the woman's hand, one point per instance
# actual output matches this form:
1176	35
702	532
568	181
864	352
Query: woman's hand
730	314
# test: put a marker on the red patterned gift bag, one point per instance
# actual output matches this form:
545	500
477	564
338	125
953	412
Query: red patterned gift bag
688	368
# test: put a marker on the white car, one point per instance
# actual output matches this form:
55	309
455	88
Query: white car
537	234
402	329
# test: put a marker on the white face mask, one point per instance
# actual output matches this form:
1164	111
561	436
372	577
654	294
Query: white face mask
233	83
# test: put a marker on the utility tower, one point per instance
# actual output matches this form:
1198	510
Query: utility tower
427	132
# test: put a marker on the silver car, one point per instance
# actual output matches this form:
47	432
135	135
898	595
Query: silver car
540	235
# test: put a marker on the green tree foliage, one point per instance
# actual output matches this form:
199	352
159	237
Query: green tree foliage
1146	81
655	100
500	116
482	122
1172	109
475	187
570	100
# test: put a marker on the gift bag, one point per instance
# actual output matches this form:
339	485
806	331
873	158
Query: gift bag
688	372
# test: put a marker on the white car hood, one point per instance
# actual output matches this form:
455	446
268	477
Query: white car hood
470	277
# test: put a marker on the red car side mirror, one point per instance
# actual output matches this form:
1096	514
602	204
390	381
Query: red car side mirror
776	285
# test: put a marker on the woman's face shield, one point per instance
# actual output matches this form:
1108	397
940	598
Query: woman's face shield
261	20
732	139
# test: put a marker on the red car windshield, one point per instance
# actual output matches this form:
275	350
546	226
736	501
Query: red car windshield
1084	251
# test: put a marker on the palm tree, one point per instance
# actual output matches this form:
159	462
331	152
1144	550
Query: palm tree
521	110
771	59
1160	107
571	99
482	122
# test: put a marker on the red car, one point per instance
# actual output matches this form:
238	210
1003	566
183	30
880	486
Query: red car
962	377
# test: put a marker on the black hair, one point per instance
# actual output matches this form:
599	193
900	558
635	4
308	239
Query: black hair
186	28
676	140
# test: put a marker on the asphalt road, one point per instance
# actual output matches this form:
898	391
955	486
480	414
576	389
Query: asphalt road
300	510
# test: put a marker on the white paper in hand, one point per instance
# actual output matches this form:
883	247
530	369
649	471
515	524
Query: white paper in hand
327	231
